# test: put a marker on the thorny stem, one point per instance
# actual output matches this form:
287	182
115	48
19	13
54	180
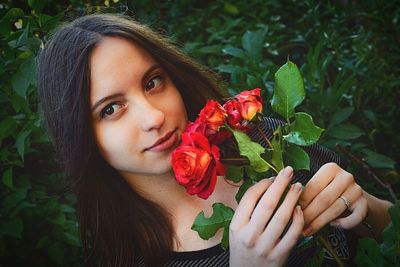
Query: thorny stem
369	171
265	138
328	246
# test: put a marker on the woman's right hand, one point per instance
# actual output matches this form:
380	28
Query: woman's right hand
255	233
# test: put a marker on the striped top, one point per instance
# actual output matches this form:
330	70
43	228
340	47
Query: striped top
216	256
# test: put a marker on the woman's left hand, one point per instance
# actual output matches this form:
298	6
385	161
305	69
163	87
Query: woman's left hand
322	203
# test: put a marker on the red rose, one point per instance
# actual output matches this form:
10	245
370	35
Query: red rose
250	103
213	114
213	136
234	117
196	164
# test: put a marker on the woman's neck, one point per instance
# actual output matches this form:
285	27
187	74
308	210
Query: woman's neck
182	207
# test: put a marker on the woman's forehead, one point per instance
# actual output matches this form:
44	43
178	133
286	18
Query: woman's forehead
117	63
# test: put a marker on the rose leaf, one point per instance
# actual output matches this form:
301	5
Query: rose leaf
303	131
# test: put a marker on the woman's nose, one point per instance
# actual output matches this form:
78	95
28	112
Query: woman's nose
150	116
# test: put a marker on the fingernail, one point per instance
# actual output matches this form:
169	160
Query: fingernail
297	187
308	231
287	171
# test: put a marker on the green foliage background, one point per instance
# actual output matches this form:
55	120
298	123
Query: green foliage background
348	52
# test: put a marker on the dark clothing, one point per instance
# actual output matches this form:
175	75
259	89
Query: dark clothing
216	256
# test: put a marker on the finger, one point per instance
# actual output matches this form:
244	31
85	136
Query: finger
269	201
248	202
282	216
318	182
289	240
327	196
353	193
356	217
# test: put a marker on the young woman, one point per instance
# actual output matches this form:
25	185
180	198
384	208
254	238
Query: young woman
116	98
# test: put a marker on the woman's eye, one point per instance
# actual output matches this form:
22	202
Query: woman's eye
110	110
154	82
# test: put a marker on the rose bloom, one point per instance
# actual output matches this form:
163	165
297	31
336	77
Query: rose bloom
250	103
196	164
213	114
214	137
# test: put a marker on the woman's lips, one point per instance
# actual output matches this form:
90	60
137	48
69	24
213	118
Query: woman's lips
166	144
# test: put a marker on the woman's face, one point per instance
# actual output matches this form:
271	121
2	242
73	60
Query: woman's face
138	113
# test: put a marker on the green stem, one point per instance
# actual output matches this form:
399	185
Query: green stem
328	246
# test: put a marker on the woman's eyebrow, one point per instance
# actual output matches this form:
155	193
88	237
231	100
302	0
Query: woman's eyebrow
149	70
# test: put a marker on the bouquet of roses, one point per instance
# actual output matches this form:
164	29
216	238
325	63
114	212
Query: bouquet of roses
202	155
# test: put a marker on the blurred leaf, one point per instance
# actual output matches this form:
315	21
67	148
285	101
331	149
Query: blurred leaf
20	142
13	227
289	90
24	77
391	234
317	259
253	43
56	252
230	8
37	5
14	198
230	69
6	22
379	161
233	51
7	178
369	254
303	131
7	126
345	131
340	116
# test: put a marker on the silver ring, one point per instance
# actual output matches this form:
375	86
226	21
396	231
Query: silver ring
346	202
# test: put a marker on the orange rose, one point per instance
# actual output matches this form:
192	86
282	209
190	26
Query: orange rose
250	103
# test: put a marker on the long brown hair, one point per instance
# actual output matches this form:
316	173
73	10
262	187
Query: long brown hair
116	223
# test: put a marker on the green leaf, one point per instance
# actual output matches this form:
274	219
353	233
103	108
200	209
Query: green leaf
253	42
14	198
24	77
289	90
391	234
7	127
13	227
243	188
234	173
303	131
57	218
345	131
369	254
277	159
37	5
230	69
233	51
231	9
317	258
379	161
56	252
221	218
297	158
6	22
20	143
252	151
340	116
7	178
